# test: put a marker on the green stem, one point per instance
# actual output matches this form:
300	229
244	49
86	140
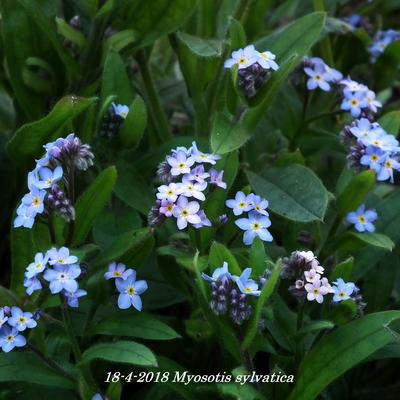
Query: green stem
299	326
159	116
52	364
50	225
85	369
70	331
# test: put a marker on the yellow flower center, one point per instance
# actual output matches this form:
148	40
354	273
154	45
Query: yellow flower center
242	204
130	291
317	77
184	213
247	290
170	207
388	164
374	157
181	165
342	294
362	219
36	201
10	338
21	319
315	291
117	274
242	61
354	102
256	226
38	266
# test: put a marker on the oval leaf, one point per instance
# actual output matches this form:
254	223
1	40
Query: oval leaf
294	192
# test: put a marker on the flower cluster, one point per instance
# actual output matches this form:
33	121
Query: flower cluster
257	220
358	99
371	147
304	267
13	321
60	269
112	121
253	68
362	219
57	165
128	287
229	293
381	40
184	177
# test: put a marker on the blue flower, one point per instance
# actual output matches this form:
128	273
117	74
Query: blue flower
342	290
354	102
47	177
364	128
363	219
3	317
73	297
25	217
197	174
243	58
201	157
31	285
120	109
259	204
61	256
255	225
241	203
35	200
386	171
10	338
186	212
204	221
267	60
37	266
21	320
245	284
62	277
317	78
193	189
217	274
373	158
180	163
216	178
117	271
130	291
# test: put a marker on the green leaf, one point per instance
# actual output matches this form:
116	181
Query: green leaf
258	257
27	142
151	20
343	270
340	351
219	254
126	352
26	367
120	40
91	203
294	192
131	131
48	27
141	325
314	326
355	192
349	241
70	33
390	122
133	190
264	296
237	35
201	47
227	135
115	80
111	224
126	246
